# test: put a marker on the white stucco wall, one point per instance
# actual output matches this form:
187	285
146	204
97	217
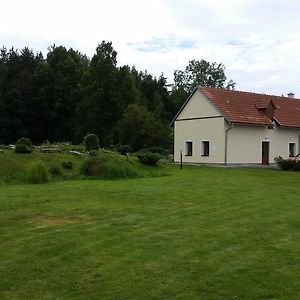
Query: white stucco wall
196	131
245	143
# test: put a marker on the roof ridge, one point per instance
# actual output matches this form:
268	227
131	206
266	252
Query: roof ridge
246	92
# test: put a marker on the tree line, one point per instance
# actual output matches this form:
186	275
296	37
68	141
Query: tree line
65	95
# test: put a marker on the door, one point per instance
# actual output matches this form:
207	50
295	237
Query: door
265	153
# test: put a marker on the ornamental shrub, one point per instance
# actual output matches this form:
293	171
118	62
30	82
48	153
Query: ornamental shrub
67	165
124	149
55	171
93	153
287	164
148	158
91	142
23	145
157	149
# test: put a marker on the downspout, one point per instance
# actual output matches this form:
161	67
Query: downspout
226	143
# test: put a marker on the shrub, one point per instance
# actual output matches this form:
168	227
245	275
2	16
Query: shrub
124	149
36	173
157	149
91	142
23	146
93	153
97	167
287	164
55	171
149	158
67	165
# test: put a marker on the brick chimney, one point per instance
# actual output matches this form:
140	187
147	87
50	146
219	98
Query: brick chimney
291	95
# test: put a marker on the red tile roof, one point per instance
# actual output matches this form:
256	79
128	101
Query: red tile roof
252	108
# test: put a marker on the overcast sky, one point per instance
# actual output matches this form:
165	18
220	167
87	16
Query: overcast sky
257	40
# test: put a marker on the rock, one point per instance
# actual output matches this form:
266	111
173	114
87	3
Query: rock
78	153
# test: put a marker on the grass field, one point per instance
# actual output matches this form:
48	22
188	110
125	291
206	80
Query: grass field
199	233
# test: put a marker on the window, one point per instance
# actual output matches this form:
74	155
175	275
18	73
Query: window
292	147
205	148
188	148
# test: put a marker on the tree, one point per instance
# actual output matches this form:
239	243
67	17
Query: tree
140	129
109	91
201	73
16	92
58	84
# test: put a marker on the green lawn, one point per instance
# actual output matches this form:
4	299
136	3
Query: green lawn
199	233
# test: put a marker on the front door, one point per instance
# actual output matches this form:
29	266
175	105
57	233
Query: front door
265	153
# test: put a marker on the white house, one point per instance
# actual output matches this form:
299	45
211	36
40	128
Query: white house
218	126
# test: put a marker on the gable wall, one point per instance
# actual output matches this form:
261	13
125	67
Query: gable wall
207	124
198	106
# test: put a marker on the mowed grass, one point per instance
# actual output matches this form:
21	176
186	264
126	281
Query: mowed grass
199	233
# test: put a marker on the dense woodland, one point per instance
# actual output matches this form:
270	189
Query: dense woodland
66	95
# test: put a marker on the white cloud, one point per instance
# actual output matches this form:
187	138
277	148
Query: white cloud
257	40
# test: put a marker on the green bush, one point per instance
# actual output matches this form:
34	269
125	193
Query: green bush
124	149
287	164
148	158
156	149
93	153
55	171
67	165
23	146
97	167
91	142
36	173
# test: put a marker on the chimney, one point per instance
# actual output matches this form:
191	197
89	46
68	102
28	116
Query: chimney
291	95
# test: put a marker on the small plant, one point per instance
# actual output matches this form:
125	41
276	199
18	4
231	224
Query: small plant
67	165
91	142
148	158
36	173
124	149
93	153
23	146
55	171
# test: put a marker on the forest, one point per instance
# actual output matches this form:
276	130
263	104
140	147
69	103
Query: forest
65	95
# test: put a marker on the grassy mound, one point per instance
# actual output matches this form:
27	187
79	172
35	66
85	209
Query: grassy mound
66	165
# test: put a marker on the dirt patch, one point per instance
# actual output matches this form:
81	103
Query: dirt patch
44	221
